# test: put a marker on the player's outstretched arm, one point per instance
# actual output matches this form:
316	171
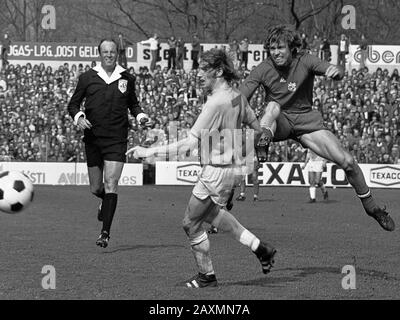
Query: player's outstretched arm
178	147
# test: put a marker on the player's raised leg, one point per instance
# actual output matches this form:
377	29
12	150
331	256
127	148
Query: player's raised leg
325	144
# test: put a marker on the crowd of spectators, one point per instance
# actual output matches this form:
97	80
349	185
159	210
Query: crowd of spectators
362	110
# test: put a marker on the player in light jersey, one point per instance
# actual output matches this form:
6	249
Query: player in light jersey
287	76
315	166
253	171
224	112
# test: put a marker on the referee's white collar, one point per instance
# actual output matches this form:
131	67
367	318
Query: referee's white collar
103	74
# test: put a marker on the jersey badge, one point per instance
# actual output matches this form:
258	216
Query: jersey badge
122	85
292	86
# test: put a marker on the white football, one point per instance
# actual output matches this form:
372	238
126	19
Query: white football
16	191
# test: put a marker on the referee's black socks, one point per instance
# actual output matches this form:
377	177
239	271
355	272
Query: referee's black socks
108	209
101	194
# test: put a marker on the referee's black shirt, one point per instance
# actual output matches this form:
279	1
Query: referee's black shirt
107	100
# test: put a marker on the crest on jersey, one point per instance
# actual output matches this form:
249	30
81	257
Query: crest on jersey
292	86
122	85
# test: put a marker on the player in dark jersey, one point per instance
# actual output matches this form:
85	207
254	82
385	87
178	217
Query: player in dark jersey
287	76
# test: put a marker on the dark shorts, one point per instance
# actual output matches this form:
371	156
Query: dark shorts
294	125
98	150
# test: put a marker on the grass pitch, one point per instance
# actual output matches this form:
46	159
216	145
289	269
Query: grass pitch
148	255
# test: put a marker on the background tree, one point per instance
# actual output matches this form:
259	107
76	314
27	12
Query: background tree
22	18
213	20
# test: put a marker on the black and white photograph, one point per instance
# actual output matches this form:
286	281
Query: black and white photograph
199	157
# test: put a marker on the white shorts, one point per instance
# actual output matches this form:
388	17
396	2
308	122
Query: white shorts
315	166
217	183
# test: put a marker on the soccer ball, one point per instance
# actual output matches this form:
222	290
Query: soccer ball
16	191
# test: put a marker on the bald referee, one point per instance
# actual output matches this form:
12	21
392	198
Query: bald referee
109	92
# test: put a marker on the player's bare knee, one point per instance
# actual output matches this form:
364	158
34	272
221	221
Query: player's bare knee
110	186
273	108
348	162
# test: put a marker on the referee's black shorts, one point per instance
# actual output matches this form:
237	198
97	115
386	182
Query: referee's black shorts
100	149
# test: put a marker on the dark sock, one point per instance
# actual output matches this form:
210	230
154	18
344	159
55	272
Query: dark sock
101	195
108	210
368	202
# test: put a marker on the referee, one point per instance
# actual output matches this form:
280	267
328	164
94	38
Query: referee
109	91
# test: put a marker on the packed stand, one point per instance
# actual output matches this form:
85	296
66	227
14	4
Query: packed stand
362	110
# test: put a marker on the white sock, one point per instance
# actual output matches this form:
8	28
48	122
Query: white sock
250	240
201	251
313	192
